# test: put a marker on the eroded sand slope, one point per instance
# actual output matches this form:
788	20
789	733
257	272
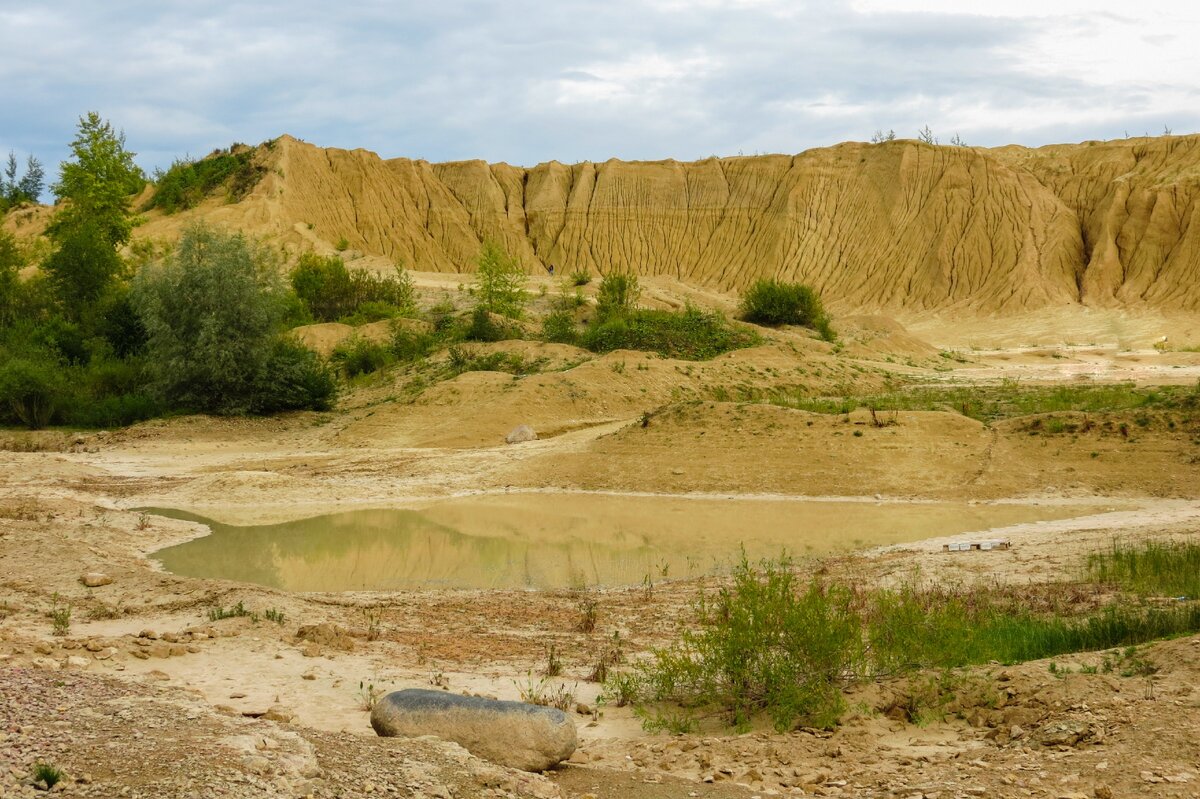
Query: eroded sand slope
900	225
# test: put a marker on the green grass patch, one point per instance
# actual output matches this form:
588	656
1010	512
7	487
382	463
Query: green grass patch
1156	568
775	645
993	403
690	334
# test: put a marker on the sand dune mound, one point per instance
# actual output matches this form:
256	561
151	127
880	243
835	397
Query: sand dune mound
896	226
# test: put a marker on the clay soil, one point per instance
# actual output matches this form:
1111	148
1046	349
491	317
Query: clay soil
147	695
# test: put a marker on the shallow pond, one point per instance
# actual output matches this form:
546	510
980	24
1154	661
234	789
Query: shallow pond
544	540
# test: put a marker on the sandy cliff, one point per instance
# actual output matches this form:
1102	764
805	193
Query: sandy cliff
900	225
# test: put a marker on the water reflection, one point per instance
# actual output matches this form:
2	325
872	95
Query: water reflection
551	541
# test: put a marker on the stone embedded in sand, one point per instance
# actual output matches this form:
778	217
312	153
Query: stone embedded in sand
513	734
329	635
520	434
278	713
1064	733
95	579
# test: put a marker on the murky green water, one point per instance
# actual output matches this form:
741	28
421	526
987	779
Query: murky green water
560	540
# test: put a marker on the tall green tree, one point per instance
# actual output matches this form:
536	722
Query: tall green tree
500	281
98	183
30	186
95	188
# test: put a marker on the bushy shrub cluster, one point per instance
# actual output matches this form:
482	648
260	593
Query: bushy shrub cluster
772	644
774	302
359	356
331	292
618	295
187	182
690	334
765	644
212	314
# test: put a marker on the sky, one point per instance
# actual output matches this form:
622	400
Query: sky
573	80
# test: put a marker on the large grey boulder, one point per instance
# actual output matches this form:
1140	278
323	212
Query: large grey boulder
514	734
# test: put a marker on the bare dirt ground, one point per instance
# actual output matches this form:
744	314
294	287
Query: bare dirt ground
145	695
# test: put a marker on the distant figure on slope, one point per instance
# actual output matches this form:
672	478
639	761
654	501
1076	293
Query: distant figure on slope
550	269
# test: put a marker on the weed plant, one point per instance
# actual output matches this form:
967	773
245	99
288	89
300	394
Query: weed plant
1155	568
771	644
48	774
237	611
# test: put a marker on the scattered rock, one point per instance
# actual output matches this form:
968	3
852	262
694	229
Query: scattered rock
1064	733
76	662
278	713
513	734
329	635
95	579
520	434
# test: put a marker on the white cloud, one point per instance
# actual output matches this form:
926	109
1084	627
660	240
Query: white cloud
588	79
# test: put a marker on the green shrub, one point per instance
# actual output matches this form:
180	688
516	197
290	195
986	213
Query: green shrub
580	277
773	302
371	312
769	644
83	265
359	356
332	292
323	285
411	345
114	410
483	327
118	323
31	391
463	359
65	340
47	774
617	296
111	393
500	282
187	182
764	645
559	327
690	334
293	378
211	313
11	262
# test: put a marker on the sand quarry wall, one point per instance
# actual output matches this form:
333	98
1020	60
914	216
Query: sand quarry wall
899	225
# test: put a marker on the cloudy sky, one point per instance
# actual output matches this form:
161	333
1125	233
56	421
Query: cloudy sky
572	80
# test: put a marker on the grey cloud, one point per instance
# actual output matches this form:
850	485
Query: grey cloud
526	82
